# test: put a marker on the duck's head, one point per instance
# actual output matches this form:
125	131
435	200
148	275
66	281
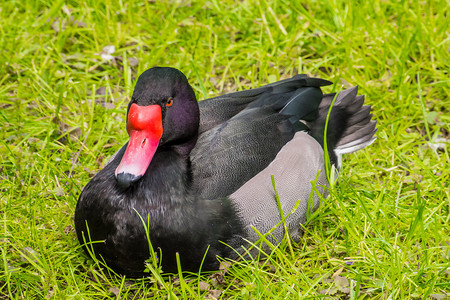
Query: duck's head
163	111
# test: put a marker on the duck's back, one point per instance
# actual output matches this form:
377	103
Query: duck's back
241	133
218	110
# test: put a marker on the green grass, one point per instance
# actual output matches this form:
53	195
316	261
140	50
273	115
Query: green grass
384	231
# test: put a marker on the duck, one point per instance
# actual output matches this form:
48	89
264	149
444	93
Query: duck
199	179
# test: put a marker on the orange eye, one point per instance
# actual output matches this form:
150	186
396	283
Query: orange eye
169	102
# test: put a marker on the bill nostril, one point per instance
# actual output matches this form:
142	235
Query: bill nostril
143	142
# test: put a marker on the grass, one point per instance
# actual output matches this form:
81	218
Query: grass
382	234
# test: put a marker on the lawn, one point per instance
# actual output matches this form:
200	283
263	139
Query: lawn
67	71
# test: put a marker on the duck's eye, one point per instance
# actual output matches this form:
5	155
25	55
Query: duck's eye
169	102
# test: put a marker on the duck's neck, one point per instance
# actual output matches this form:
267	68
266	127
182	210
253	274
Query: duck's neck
185	149
168	178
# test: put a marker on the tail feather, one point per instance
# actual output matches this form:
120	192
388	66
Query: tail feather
363	116
350	127
357	135
353	128
355	146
